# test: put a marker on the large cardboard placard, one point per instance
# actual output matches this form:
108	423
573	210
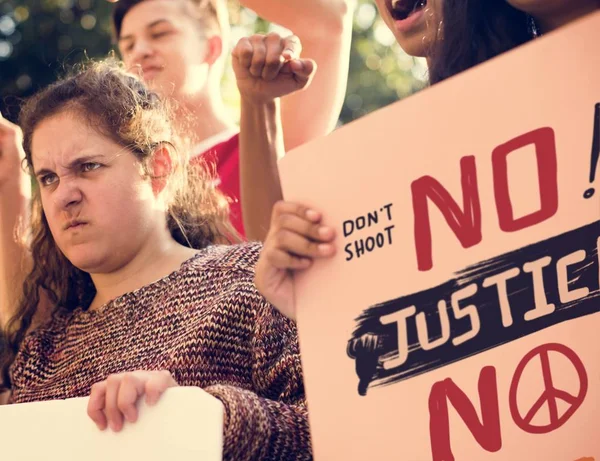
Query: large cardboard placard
459	318
185	425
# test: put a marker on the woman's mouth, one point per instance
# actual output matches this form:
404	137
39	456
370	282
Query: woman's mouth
403	9
74	224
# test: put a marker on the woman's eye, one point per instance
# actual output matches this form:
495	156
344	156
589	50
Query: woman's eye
48	180
90	166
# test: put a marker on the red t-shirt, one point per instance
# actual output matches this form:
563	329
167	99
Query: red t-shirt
225	155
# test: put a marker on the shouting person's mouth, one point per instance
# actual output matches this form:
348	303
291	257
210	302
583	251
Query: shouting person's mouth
407	13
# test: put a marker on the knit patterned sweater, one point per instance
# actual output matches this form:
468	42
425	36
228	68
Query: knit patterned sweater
205	323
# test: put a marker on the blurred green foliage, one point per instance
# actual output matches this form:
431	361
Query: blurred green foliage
42	39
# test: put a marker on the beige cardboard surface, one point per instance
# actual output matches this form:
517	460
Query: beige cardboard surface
185	425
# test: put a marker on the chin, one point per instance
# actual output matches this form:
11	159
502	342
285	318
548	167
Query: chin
87	261
414	48
153	84
533	6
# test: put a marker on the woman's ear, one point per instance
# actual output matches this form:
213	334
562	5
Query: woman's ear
161	167
214	49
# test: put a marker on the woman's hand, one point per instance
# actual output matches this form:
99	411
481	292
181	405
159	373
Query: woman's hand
269	67
114	400
295	239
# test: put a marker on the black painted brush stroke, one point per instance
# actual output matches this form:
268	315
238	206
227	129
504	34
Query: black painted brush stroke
373	343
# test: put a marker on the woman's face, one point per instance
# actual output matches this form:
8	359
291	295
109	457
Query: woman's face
415	23
100	207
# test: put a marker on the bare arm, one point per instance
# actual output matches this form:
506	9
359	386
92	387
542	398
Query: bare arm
15	192
260	132
325	30
314	112
15	260
266	69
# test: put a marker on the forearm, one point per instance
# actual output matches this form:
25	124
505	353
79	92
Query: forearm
14	258
258	429
317	16
261	145
314	112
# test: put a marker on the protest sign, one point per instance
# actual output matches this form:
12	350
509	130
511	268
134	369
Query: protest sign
459	318
185	425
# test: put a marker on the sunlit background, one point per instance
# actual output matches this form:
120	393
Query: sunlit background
41	39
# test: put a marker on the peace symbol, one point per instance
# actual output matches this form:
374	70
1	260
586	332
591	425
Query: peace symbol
551	395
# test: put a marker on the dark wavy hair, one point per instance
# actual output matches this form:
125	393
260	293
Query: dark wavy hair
120	107
472	32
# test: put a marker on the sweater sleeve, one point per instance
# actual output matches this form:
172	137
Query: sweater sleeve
271	421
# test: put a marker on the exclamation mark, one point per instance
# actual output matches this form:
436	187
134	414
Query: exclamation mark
595	152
